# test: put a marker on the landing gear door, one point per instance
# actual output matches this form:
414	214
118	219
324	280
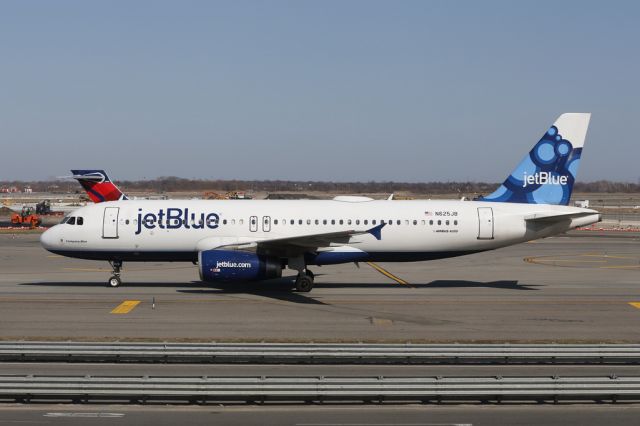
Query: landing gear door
485	223
110	222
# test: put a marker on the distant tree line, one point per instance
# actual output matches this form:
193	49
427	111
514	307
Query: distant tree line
176	184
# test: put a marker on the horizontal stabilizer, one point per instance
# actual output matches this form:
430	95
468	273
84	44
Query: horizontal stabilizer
556	217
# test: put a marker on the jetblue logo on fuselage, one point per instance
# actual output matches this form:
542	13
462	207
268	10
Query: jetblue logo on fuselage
175	218
543	178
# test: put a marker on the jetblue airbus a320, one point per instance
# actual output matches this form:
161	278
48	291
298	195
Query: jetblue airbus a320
246	240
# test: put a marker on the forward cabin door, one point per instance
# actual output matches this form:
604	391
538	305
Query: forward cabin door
110	222
485	223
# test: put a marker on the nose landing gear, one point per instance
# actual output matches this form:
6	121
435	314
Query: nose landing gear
115	280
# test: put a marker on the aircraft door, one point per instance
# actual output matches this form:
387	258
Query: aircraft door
485	223
266	223
253	223
110	222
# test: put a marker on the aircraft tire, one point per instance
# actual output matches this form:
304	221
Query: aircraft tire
304	283
114	281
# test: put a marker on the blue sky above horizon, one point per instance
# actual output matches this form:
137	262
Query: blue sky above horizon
325	90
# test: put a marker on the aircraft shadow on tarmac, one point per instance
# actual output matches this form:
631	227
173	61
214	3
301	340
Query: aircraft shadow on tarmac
280	289
287	284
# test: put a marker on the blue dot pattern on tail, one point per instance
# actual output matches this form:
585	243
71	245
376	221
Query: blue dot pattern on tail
545	176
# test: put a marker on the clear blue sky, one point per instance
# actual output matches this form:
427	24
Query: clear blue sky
324	90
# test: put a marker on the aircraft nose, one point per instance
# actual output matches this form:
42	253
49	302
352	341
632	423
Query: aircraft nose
49	238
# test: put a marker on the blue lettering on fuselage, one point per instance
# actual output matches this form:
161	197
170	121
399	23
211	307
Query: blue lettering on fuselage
176	218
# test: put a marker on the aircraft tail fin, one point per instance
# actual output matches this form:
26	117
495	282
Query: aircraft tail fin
98	186
547	174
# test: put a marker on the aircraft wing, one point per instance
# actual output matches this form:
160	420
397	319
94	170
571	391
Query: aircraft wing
289	246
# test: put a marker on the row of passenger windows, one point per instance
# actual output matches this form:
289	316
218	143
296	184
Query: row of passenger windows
73	220
357	222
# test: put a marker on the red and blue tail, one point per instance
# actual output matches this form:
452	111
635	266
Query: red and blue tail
98	185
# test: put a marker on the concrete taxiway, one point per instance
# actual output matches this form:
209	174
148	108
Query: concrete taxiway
562	289
325	415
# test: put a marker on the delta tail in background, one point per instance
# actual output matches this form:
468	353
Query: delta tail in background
98	186
256	239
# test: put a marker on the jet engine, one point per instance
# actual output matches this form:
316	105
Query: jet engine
234	265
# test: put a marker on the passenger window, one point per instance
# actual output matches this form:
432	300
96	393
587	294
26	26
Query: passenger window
253	221
430	222
308	221
406	222
415	222
324	221
126	222
233	221
389	222
424	222
72	220
399	222
333	221
349	222
299	221
439	222
293	222
224	221
241	221
373	222
80	220
366	222
447	222
455	222
357	221
317	222
275	221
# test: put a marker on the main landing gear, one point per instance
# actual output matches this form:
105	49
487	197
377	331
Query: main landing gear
304	281
115	280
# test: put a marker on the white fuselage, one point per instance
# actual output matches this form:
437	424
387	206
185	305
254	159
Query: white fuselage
177	230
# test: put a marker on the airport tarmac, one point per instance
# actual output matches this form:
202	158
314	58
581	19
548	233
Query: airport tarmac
562	289
325	415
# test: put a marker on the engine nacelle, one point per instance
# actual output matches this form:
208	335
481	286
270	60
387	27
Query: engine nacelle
232	265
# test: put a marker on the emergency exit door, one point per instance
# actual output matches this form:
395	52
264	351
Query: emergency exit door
253	224
485	223
266	223
110	222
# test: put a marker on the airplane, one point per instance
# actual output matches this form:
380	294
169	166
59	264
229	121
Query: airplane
239	241
97	185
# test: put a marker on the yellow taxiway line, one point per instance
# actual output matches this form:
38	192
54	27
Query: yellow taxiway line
125	307
635	304
387	273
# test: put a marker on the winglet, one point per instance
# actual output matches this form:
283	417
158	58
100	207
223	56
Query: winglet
376	231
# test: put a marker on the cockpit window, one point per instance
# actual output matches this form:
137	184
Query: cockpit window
79	221
64	220
71	221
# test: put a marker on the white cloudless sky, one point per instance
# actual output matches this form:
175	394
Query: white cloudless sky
324	90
